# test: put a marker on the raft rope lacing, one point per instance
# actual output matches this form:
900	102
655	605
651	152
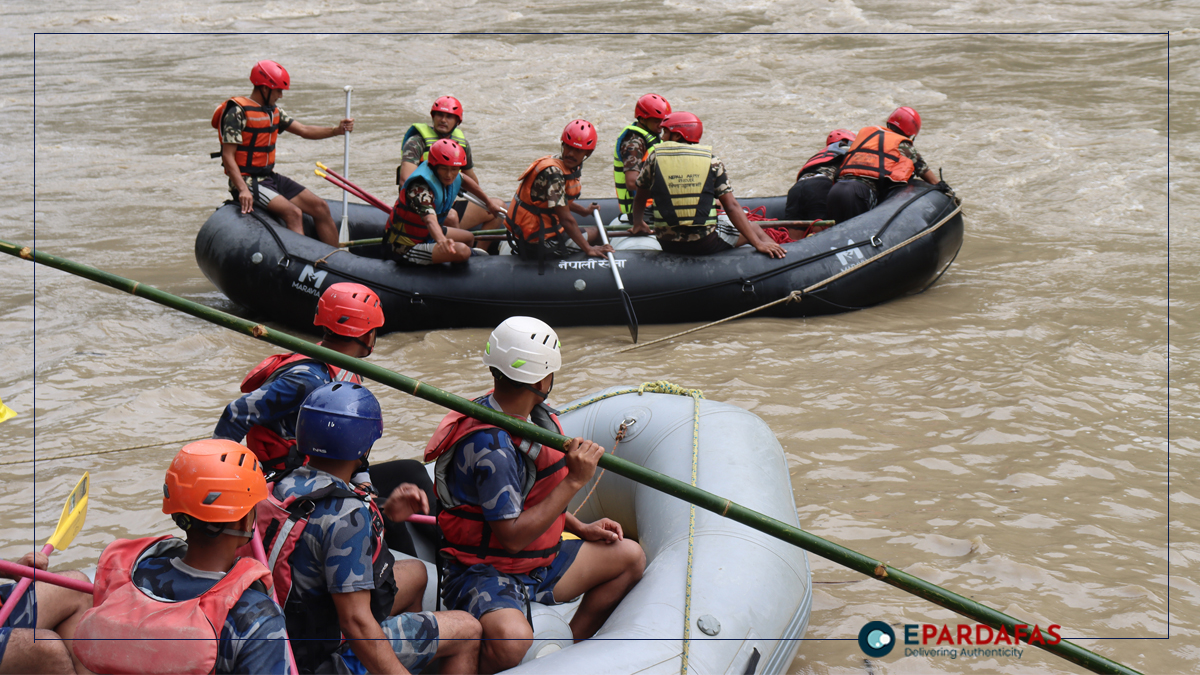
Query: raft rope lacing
92	453
799	295
665	387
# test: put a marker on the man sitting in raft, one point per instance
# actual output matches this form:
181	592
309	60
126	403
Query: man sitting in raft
881	161
36	636
633	143
504	508
347	610
249	128
539	217
806	199
194	606
687	181
423	228
447	114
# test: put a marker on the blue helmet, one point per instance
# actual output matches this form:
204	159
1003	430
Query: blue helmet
339	420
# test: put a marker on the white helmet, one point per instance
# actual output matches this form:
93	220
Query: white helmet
525	349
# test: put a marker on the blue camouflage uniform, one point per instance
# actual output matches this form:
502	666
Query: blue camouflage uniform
24	615
335	555
274	405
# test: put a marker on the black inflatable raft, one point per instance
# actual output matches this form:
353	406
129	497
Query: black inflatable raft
900	247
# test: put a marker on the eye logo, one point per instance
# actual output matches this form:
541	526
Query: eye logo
876	639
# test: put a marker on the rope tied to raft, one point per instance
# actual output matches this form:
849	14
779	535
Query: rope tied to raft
798	295
617	441
92	453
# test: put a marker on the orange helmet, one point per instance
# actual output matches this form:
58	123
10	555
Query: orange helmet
349	309
214	481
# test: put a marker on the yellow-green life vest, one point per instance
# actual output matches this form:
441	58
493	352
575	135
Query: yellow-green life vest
683	191
624	196
430	137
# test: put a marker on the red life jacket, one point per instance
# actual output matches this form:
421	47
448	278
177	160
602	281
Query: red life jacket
156	636
532	221
273	451
312	624
822	158
876	154
469	537
256	154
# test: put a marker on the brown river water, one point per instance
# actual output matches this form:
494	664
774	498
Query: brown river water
1024	433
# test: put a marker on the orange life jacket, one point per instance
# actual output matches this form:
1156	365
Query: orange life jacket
876	154
256	154
127	631
273	451
468	535
532	221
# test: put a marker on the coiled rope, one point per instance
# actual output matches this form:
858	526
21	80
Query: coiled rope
799	295
665	387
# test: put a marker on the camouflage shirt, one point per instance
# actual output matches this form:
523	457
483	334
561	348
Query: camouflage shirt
664	232
233	123
488	471
254	636
420	198
550	186
414	151
633	151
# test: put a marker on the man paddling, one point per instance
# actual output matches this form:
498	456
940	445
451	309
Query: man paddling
539	217
249	128
166	605
504	508
36	636
447	116
350	607
687	182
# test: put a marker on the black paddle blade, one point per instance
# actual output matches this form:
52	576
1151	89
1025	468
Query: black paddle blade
633	326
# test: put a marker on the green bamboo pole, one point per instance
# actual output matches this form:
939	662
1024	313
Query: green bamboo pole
701	498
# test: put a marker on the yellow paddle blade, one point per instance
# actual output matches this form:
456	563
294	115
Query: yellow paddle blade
6	413
73	513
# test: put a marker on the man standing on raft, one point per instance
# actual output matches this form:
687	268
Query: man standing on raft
249	129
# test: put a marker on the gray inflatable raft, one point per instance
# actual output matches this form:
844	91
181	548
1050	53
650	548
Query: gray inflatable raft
750	594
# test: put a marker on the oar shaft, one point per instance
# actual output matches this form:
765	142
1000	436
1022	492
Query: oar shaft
29	573
701	498
344	231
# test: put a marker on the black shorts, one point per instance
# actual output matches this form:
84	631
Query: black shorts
270	186
713	243
806	200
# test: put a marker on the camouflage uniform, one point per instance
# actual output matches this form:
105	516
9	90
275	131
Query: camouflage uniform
664	232
488	471
254	636
632	152
414	150
24	615
334	555
270	185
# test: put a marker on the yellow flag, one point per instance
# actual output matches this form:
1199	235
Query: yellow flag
6	413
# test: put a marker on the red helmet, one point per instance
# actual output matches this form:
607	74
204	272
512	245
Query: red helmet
839	135
214	480
652	106
448	104
685	124
269	74
906	121
447	153
349	309
580	134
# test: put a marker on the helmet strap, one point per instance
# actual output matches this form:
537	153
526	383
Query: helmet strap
366	346
542	395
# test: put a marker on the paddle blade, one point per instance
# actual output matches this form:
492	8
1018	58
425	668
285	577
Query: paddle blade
629	315
73	513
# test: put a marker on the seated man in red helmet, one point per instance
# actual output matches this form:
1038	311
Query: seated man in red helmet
806	199
504	511
880	161
36	635
633	143
447	116
343	600
423	228
539	218
165	605
249	128
687	183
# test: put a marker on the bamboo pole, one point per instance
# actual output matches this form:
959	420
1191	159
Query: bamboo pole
706	500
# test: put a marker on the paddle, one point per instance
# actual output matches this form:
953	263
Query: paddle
633	324
344	232
336	179
19	570
69	524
